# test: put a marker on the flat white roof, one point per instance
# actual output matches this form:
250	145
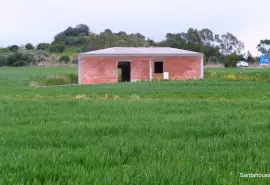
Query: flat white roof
141	51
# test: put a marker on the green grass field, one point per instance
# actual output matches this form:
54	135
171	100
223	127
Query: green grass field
191	132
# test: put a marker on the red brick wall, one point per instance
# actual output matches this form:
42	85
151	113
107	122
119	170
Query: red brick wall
97	70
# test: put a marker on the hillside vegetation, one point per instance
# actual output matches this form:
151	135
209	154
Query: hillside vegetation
217	48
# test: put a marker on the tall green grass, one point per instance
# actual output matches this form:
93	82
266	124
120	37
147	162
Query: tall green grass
55	79
193	132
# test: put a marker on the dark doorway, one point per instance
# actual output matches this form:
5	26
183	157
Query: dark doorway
123	71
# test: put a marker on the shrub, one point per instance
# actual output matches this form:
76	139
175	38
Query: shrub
25	57
55	79
64	58
230	60
230	63
75	61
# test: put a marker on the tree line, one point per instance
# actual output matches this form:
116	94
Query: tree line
214	46
217	48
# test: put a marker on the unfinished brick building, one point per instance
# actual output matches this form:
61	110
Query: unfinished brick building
136	64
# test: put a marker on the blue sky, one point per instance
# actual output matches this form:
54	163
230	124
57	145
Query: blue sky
36	21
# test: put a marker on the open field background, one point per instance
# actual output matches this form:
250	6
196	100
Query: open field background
193	132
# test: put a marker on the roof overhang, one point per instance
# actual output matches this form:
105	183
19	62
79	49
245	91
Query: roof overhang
142	55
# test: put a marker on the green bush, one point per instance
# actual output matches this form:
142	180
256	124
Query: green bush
23	57
75	61
13	48
64	58
3	61
229	63
73	78
29	46
230	60
58	47
43	46
55	79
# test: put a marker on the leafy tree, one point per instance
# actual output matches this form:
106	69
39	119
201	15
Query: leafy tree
82	28
122	33
136	40
264	46
13	48
250	58
194	41
178	40
58	47
229	44
70	32
73	41
92	43
230	60
209	51
43	46
3	61
207	37
108	31
24	57
64	58
150	42
140	36
61	37
29	46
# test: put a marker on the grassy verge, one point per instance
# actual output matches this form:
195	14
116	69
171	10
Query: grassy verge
239	76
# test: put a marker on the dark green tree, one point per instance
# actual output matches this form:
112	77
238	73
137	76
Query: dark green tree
264	46
43	46
250	58
70	32
230	60
29	46
58	47
64	58
207	37
13	48
3	61
61	37
82	28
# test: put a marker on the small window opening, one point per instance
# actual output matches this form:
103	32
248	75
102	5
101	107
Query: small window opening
158	67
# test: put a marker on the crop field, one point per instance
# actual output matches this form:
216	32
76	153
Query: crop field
187	132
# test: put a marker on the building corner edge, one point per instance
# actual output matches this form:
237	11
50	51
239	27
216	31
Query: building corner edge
202	67
79	70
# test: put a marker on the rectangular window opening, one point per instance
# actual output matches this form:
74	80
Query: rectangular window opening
159	67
